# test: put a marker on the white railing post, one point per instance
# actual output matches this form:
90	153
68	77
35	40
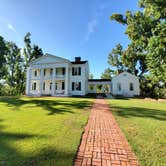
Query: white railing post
53	81
41	81
66	79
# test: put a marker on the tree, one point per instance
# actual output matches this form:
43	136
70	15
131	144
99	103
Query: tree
106	74
14	68
91	76
147	51
115	58
3	51
147	30
30	52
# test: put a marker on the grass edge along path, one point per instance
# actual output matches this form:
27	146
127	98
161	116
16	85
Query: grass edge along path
144	124
41	131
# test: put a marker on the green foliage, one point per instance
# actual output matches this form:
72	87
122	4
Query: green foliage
3	51
115	58
13	65
30	52
91	76
147	50
107	74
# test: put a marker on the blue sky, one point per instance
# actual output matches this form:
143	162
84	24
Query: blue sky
67	28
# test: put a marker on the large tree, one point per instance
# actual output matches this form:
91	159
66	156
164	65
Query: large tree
3	52
107	74
146	31
31	52
14	68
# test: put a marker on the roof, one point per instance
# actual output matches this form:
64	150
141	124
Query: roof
98	80
125	72
49	55
80	62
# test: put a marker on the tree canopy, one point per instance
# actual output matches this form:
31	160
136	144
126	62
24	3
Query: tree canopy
13	64
146	52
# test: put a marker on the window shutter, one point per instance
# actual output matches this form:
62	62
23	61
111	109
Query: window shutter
44	86
73	71
79	85
79	70
63	85
72	85
51	72
34	85
50	85
63	71
44	72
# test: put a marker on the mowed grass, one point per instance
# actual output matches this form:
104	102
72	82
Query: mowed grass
41	131
144	124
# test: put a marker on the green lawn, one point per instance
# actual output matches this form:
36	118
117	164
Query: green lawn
41	131
144	124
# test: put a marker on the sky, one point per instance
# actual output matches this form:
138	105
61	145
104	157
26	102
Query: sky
67	28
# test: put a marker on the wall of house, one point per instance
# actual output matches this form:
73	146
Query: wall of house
83	78
124	79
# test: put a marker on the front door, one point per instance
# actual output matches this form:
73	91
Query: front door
60	87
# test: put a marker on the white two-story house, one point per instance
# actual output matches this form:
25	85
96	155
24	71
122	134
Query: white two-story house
52	75
56	76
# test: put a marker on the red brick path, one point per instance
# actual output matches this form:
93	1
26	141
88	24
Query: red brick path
103	143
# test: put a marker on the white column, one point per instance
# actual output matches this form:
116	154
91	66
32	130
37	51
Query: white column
53	81
66	80
28	81
41	81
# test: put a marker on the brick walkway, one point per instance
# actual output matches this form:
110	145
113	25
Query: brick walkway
103	143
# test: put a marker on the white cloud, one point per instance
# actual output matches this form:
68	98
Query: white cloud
91	28
18	38
92	24
10	26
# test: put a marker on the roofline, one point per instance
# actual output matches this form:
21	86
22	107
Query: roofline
124	72
99	80
46	55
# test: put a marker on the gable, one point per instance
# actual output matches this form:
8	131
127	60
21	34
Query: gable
125	76
47	58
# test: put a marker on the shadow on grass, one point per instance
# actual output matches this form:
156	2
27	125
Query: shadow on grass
48	105
128	112
11	155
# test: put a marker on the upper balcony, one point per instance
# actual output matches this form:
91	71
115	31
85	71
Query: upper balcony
48	73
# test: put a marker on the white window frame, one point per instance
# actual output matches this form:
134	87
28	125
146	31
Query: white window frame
77	86
119	87
34	86
131	86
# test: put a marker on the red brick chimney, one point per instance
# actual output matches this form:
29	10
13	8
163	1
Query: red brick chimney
77	59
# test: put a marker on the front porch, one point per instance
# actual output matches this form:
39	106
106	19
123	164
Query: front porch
48	88
48	81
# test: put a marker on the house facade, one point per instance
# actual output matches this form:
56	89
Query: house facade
56	76
125	84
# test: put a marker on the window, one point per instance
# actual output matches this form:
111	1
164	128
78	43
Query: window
35	73
51	70
63	85
44	86
76	71
131	87
34	86
76	86
50	85
56	86
44	72
63	71
119	86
